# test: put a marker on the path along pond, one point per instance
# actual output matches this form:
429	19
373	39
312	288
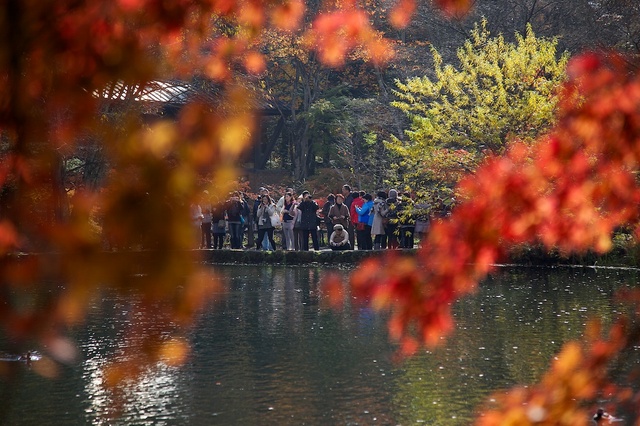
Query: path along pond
267	351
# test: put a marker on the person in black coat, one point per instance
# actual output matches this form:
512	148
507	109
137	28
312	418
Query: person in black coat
393	207
233	208
309	222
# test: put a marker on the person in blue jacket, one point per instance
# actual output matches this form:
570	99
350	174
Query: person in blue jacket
365	220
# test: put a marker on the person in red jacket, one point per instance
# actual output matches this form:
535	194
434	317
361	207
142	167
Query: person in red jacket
358	201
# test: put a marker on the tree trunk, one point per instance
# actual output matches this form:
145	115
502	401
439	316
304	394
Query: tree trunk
302	150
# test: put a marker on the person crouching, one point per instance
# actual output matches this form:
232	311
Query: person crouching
339	239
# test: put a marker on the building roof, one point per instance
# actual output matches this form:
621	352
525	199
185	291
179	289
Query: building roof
170	96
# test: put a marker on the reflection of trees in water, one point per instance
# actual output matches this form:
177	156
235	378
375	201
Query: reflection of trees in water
289	292
283	297
268	342
547	310
271	332
506	334
155	394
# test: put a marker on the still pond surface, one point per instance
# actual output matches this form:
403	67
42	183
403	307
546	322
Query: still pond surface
267	351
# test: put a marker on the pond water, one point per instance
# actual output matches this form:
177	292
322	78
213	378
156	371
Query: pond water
268	351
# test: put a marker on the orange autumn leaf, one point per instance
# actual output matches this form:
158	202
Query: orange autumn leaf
568	359
288	16
409	347
252	15
333	286
454	8
218	69
255	63
380	51
402	13
333	51
8	237
174	352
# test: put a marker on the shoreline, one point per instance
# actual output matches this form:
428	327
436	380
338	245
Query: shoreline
521	256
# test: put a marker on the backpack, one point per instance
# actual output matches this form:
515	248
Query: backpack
392	210
384	209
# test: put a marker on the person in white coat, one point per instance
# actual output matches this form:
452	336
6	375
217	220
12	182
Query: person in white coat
266	210
339	239
377	227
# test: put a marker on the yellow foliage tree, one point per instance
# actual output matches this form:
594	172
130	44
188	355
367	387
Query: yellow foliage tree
501	91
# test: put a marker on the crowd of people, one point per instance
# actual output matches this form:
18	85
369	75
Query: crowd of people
351	219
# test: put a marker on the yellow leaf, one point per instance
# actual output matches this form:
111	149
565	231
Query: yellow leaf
159	139
235	135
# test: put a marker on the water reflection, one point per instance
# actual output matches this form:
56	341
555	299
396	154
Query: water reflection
155	398
308	362
505	335
267	351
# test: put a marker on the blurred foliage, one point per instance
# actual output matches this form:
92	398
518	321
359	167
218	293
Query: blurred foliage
89	163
